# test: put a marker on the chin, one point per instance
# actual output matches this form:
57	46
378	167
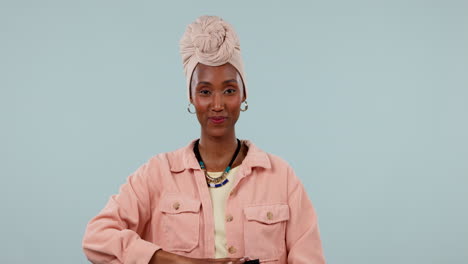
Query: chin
217	132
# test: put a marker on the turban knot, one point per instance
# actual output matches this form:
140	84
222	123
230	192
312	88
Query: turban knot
211	41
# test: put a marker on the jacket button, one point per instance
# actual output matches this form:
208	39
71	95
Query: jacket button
232	250
229	218
270	215
176	205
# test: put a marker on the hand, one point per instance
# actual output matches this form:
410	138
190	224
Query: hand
164	257
217	261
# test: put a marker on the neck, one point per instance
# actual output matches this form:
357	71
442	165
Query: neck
217	151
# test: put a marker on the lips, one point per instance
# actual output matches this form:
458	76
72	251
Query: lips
217	119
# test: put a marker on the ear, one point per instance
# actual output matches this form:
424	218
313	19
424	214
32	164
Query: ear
239	80
243	93
191	95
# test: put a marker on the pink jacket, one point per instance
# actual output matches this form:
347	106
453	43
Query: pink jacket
166	204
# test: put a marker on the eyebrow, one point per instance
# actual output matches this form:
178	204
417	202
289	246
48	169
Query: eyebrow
205	83
228	81
208	83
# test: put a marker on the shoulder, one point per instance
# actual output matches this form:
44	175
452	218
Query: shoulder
279	166
275	161
278	161
170	155
174	160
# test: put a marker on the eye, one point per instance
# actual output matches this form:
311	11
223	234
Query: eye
204	92
230	90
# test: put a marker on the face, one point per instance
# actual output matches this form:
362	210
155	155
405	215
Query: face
217	93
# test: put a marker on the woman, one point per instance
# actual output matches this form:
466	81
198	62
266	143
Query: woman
217	200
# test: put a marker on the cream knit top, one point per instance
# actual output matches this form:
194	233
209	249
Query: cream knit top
218	197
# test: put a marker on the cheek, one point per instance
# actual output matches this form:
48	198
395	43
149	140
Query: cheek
200	104
234	107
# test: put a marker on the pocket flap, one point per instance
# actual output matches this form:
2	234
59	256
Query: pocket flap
174	203
267	214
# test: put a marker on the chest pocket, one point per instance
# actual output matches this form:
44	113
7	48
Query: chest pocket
180	221
265	231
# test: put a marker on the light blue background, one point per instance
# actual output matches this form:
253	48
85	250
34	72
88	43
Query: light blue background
367	100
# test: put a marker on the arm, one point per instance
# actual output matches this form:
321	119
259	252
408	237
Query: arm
113	235
303	237
164	257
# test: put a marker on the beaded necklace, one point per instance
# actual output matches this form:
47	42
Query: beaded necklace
220	181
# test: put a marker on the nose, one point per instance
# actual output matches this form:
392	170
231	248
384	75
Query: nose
218	104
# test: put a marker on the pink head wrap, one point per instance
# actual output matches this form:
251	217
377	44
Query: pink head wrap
211	41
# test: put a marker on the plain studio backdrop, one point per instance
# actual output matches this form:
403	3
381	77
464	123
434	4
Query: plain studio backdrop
367	100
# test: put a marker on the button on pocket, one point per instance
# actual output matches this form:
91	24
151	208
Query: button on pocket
270	216
180	221
265	231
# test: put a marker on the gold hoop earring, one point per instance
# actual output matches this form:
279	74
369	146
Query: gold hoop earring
188	109
246	106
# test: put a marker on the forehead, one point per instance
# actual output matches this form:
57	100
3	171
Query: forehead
220	73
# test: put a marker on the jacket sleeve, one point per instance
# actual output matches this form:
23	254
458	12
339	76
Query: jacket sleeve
303	241
113	235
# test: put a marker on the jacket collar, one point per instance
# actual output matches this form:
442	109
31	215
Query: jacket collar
184	158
